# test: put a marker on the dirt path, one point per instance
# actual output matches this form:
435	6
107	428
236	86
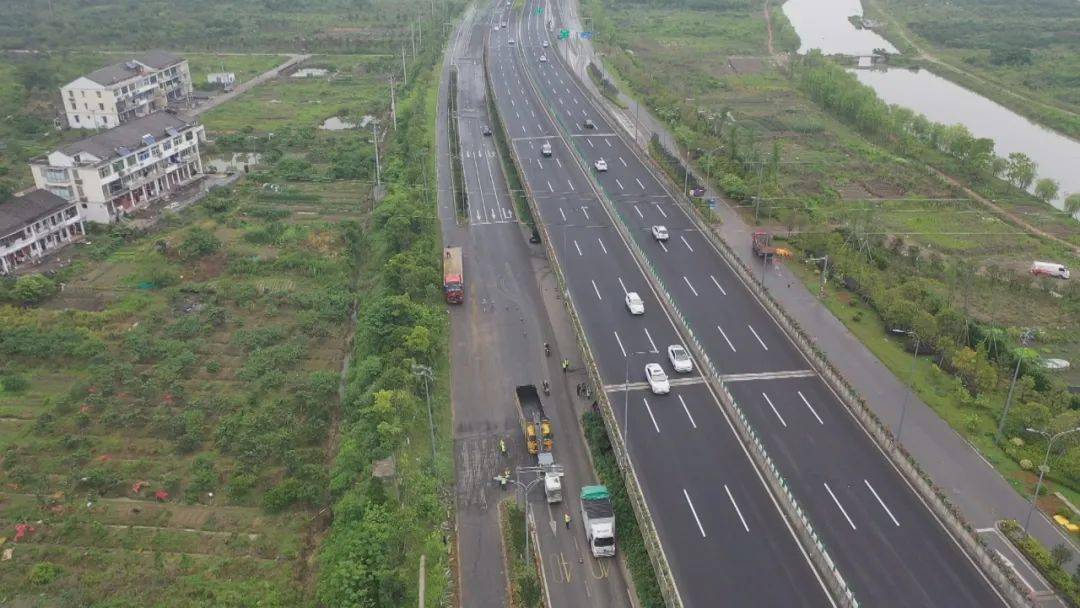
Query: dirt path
768	28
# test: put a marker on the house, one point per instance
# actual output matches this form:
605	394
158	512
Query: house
34	225
127	90
115	172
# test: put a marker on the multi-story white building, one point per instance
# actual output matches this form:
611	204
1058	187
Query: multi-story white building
127	90
115	172
35	224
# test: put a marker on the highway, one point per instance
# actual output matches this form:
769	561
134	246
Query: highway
721	517
890	548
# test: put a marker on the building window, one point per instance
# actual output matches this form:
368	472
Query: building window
76	118
105	171
166	145
105	120
189	135
101	106
132	161
118	166
99	94
74	106
145	154
56	174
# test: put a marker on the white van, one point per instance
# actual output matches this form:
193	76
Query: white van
546	149
1050	269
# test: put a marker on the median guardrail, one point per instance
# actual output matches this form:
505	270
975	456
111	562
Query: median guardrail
996	570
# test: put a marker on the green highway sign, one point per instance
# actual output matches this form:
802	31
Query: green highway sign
564	34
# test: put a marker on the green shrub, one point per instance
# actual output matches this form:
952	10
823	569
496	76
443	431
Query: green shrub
14	383
33	289
44	573
197	243
1046	561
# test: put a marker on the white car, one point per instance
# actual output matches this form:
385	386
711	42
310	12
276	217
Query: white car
657	379
680	359
496	28
601	165
660	233
634	303
546	149
510	42
545	44
543	58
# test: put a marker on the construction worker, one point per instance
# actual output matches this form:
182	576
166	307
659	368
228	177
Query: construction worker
566	520
502	446
565	365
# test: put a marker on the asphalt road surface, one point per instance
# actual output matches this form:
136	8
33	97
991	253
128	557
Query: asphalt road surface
888	545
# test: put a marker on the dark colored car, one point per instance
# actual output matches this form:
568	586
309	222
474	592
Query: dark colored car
589	124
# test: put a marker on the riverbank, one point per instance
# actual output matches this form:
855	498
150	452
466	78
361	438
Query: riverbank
1004	85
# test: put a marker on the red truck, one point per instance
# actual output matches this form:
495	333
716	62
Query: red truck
763	246
453	279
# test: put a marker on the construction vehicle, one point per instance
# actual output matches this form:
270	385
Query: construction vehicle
538	436
598	516
763	247
539	439
453	279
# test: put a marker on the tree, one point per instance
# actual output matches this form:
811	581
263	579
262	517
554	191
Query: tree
1021	171
1072	203
33	288
1046	189
198	242
1060	554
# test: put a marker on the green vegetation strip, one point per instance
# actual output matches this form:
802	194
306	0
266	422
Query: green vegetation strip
383	525
630	541
526	590
1048	562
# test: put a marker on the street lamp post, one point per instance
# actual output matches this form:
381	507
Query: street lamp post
1050	439
525	487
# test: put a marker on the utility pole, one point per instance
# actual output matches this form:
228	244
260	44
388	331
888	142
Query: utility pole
420	31
1050	439
375	137
412	38
393	107
423	371
404	74
1024	337
911	387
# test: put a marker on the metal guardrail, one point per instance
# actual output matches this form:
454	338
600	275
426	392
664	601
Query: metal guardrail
948	514
650	535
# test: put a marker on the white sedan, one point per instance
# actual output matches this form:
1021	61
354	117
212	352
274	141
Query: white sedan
634	303
660	233
545	44
680	359
601	165
657	379
543	58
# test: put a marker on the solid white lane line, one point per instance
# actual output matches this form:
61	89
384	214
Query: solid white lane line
774	410
639	183
689	285
576	246
550	187
663	246
601	245
717	283
639	214
760	341
687	243
622	161
585	210
687	410
812	410
649	409
619	184
623	350
598	296
660	209
562	214
839	506
881	502
572	188
737	510
651	343
694	512
624	290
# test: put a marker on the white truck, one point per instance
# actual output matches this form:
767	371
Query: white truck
1050	269
553	474
598	517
